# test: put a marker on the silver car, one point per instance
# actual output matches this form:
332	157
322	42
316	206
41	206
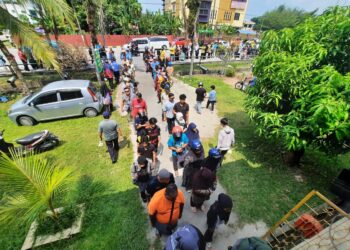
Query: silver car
57	100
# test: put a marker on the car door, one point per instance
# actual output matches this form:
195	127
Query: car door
71	102
45	106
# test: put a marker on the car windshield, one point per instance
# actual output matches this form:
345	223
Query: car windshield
32	93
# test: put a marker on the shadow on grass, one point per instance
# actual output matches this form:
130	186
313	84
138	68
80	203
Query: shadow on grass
257	178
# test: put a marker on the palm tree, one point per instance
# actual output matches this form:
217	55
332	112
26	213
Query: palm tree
91	10
30	185
29	38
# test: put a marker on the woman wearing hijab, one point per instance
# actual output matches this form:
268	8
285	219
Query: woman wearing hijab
192	132
218	213
201	188
187	237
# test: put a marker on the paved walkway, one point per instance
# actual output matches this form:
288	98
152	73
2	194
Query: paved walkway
207	123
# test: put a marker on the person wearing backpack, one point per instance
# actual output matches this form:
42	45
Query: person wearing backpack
165	209
140	174
212	162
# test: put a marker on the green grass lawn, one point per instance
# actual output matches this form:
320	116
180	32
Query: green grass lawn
262	187
114	215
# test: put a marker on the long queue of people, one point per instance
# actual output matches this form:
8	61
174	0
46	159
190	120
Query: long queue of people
165	201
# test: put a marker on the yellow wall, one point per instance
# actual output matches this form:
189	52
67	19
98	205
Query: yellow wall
220	6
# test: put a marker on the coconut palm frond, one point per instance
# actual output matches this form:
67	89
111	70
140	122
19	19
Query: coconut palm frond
30	184
54	8
28	37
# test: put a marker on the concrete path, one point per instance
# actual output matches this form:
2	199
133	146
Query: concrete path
207	123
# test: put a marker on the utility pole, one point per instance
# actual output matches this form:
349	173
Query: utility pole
194	39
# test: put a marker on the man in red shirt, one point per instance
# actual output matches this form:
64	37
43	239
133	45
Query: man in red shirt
137	104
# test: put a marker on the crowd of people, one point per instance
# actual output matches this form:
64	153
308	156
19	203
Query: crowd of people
165	201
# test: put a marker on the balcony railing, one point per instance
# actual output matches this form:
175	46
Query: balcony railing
238	5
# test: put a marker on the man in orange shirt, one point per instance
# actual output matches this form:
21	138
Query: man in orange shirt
165	209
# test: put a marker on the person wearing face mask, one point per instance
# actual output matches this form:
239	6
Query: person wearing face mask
140	174
177	143
165	209
219	213
192	163
192	132
187	237
141	122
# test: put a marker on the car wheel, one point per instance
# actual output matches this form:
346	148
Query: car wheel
90	112
239	85
164	47
26	121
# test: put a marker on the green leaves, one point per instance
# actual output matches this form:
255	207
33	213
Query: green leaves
302	95
30	185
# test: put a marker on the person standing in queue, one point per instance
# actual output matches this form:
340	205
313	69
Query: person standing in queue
168	112
110	130
219	213
160	181
177	143
182	107
138	104
141	173
187	237
165	209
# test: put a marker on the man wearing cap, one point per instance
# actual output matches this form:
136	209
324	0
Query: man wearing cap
200	95
165	209
138	104
110	130
141	173
160	181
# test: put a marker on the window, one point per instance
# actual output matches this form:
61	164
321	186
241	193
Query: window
70	95
174	7
237	16
158	39
203	12
227	15
141	41
46	98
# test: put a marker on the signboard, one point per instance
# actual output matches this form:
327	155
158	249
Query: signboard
98	61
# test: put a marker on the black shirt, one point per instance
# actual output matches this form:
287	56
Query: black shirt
154	185
146	152
200	92
178	107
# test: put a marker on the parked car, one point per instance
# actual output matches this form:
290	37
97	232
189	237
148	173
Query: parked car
158	42
180	41
56	100
141	43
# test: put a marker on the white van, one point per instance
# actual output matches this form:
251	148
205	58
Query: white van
158	42
141	43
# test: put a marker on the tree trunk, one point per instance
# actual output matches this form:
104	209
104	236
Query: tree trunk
14	66
55	29
193	38
91	10
292	158
184	18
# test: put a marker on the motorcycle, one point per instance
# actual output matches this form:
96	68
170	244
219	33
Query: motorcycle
37	142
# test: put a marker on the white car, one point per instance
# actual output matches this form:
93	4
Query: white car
142	43
158	42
